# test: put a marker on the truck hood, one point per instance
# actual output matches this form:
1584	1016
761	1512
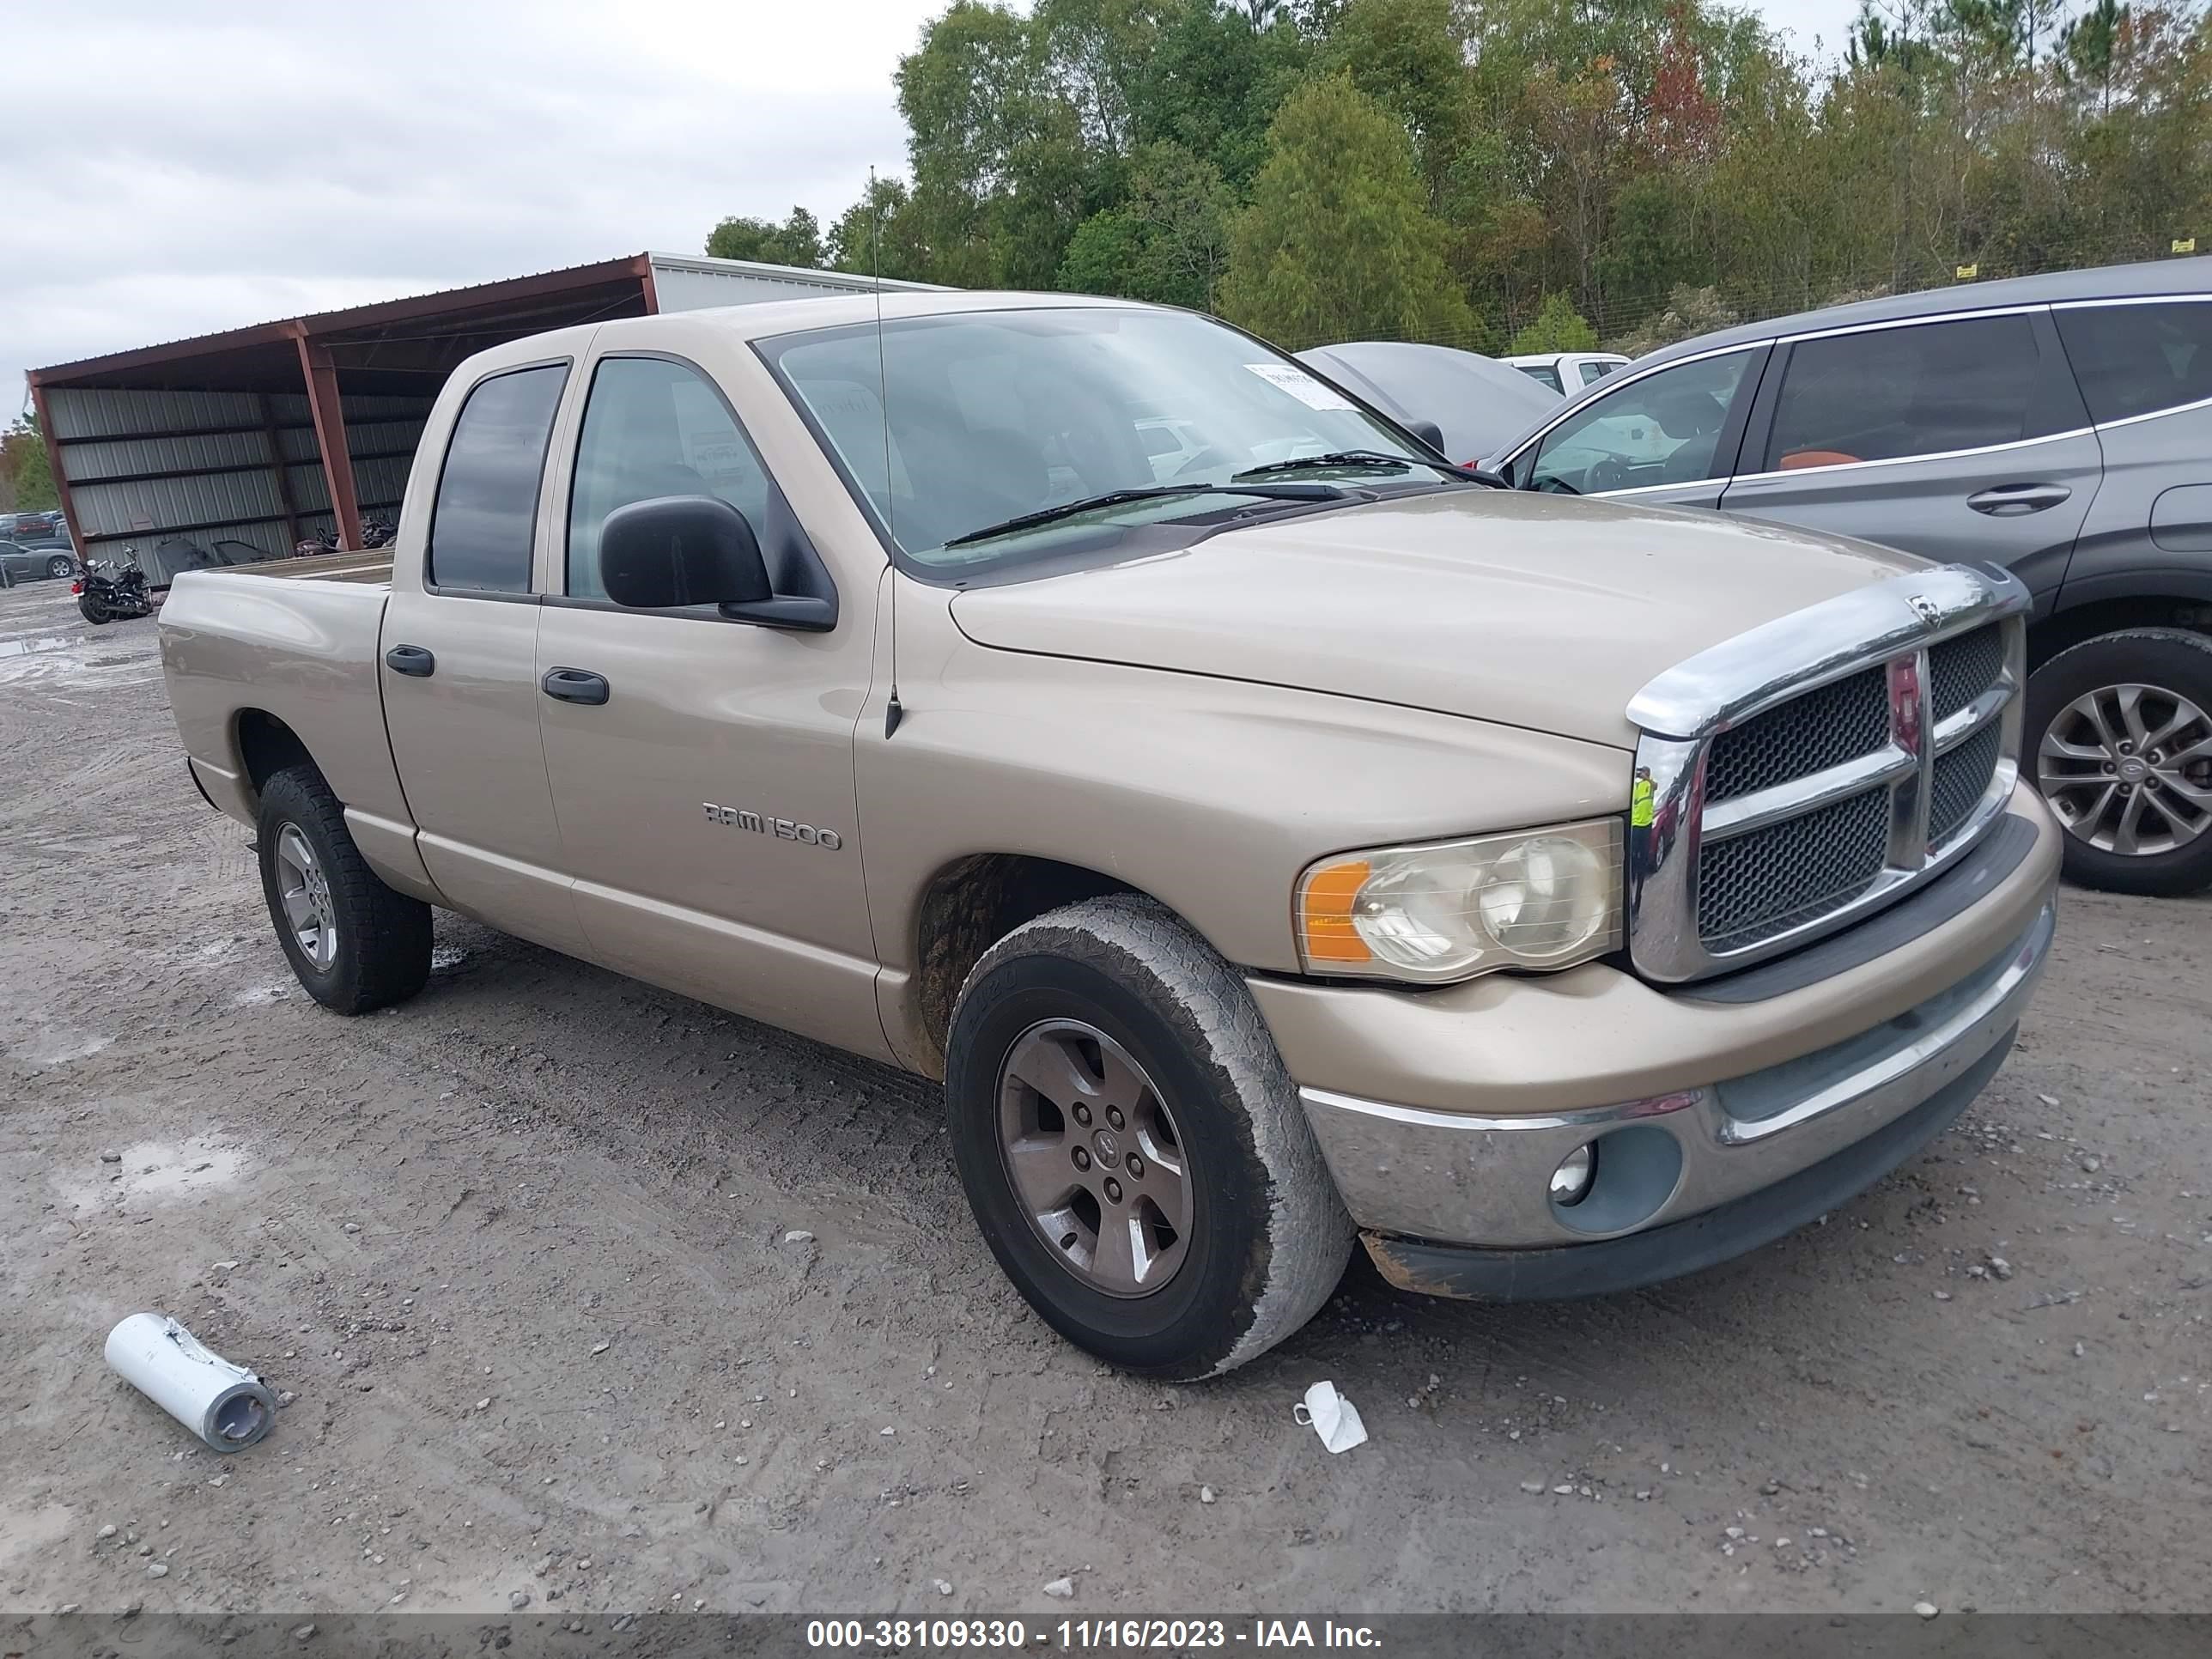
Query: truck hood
1528	610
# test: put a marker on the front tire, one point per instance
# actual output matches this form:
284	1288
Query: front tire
1132	1146
58	566
355	944
2120	741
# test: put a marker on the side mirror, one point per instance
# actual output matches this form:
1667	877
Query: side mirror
678	550
1429	433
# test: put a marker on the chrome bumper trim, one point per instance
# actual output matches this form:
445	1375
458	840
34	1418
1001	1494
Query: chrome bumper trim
1482	1181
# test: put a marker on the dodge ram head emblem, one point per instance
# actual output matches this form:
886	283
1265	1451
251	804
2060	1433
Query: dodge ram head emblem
782	828
1926	608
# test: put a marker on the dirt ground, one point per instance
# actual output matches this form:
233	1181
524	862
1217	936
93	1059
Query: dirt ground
590	1294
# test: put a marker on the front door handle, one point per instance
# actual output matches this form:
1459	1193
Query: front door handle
2013	500
574	685
411	659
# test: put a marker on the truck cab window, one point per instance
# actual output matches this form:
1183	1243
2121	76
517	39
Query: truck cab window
652	428
1661	430
486	518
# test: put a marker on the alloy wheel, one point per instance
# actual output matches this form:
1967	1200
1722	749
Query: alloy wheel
305	892
1095	1157
2128	770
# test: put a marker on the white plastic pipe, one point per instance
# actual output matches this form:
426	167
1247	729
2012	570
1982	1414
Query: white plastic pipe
225	1405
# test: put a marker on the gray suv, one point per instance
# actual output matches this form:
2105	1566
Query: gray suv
2059	425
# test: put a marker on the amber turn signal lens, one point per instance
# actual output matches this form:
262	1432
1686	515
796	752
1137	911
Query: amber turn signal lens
1325	913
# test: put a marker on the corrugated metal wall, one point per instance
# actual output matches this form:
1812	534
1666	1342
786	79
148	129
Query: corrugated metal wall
149	465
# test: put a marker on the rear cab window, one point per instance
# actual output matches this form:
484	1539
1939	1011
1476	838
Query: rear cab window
1921	389
2133	360
484	522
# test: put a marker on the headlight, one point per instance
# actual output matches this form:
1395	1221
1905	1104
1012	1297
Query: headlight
1538	899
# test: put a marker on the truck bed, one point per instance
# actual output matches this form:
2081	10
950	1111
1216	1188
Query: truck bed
372	568
290	646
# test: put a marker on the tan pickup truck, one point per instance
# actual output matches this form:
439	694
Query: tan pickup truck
1273	836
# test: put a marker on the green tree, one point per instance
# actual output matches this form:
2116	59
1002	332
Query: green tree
24	470
1169	242
1338	242
879	235
796	241
2086	46
1409	56
1558	327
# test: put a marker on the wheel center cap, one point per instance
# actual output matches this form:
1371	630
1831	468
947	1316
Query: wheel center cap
1108	1148
2134	769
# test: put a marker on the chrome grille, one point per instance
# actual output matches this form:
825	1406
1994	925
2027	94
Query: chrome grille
1810	771
1753	886
1962	777
1823	728
1960	669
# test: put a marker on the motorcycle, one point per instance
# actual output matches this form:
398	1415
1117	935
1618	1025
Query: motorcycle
106	592
378	532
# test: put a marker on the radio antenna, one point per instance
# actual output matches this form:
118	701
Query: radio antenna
892	711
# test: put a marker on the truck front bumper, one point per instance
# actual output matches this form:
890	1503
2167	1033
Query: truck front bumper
1693	1170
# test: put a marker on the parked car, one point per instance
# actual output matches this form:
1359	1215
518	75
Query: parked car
1567	371
1314	847
1474	403
35	561
2060	426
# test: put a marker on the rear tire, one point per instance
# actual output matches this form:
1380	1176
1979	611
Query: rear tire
1126	988
58	566
93	610
2120	742
355	945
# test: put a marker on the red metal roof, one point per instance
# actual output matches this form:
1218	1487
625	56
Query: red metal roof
259	337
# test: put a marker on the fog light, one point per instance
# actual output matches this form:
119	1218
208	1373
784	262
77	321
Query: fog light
1570	1182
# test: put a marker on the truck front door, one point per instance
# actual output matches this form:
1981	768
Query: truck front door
459	669
701	768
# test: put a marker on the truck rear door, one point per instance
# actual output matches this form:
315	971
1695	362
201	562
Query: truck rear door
459	672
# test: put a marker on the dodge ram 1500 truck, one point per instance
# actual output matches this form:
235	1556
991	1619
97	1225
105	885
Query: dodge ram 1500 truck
1275	840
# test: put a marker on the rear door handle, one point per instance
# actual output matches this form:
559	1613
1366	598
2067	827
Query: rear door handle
411	659
2013	501
575	685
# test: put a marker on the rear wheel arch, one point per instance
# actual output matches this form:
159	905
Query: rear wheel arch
265	747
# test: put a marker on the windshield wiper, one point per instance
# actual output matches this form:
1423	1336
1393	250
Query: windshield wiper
1282	492
1375	458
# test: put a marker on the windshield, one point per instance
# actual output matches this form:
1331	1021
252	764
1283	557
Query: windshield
1000	415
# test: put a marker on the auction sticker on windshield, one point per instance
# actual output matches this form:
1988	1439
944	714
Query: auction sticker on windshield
1303	387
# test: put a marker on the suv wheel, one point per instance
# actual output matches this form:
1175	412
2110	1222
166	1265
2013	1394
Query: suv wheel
355	944
1131	1147
2119	734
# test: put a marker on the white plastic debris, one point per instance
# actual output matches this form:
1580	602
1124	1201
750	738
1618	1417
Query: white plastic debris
1332	1416
225	1405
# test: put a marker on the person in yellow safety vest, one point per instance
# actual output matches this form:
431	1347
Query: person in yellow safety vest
1643	799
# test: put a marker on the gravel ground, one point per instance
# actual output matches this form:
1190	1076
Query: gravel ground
593	1295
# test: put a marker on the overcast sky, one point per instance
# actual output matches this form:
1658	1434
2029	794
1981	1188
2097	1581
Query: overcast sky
184	174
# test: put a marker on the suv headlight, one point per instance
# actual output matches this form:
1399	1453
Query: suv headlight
1449	910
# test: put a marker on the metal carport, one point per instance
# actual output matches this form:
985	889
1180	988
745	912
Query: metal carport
268	434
